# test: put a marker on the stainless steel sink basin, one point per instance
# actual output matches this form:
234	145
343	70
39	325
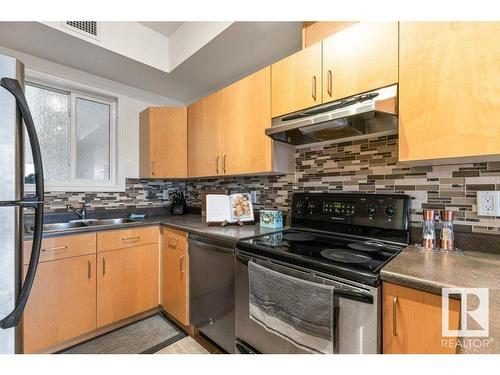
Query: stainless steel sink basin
52	227
56	226
121	220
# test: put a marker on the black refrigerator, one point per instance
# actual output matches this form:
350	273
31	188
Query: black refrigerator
15	122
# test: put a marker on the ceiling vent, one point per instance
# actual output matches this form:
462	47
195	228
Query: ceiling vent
87	28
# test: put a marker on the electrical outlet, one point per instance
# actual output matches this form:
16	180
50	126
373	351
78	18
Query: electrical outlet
488	203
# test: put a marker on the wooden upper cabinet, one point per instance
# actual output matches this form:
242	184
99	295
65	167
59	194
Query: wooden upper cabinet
62	303
360	58
313	32
247	114
127	282
163	142
205	136
412	321
449	90
176	275
296	81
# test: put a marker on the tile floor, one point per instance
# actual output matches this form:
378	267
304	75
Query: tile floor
190	345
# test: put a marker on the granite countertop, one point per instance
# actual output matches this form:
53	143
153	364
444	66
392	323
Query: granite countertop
431	272
190	223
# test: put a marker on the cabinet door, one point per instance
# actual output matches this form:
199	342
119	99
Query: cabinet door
360	58
127	283
62	303
296	81
313	32
176	275
205	136
247	114
163	142
412	321
449	90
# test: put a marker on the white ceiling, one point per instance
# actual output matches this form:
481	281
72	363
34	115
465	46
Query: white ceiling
164	28
241	49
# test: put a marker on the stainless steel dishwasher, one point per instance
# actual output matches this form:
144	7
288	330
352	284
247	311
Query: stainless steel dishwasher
211	289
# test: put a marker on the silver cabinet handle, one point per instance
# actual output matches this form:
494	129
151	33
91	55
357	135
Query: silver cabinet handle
224	164
314	88
89	270
104	266
330	83
55	248
182	263
217	164
131	239
394	321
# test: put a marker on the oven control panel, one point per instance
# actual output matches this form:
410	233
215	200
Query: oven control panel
374	210
339	208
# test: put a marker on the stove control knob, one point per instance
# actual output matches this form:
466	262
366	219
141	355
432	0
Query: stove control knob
371	209
390	211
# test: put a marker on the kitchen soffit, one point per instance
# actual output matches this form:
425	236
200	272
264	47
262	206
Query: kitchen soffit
242	48
164	28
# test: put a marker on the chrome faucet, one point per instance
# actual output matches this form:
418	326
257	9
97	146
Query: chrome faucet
82	212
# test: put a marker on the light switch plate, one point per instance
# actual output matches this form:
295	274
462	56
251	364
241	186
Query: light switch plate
488	203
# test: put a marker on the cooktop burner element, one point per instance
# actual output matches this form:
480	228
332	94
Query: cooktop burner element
366	246
345	256
347	235
299	237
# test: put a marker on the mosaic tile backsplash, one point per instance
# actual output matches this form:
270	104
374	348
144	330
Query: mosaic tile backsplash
368	165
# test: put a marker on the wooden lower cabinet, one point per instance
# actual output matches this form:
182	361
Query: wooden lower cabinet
127	282
176	275
411	321
62	303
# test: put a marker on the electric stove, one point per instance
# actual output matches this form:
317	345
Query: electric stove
351	236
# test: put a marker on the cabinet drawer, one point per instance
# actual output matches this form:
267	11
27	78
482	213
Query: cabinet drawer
62	247
120	239
174	239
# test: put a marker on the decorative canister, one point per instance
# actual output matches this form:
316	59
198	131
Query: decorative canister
271	219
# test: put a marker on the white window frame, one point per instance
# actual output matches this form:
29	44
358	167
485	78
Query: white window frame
75	90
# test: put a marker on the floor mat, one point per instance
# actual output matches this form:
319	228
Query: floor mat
145	336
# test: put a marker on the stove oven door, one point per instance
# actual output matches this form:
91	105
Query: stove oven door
357	313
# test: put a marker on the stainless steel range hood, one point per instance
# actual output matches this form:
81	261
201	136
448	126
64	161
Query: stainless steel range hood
365	115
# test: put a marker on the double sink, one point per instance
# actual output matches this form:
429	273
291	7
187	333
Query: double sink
72	224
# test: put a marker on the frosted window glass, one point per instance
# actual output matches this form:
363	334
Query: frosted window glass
92	140
50	111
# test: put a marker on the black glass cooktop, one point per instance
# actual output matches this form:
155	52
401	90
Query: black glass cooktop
345	256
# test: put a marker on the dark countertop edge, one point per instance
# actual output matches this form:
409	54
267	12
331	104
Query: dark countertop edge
151	221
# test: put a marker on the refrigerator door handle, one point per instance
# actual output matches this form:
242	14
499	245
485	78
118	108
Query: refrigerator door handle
13	86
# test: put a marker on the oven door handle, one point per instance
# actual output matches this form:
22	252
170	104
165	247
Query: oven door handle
351	294
354	295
